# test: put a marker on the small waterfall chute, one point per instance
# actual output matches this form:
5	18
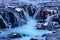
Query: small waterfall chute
3	23
26	14
49	19
36	13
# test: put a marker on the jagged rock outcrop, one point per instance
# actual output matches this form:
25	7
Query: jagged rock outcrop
11	18
29	8
48	15
53	36
16	35
15	14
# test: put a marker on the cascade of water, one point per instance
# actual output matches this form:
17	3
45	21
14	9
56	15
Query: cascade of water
17	17
49	19
33	10
5	24
26	14
36	13
8	20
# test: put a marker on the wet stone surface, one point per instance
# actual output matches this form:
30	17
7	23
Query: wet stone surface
16	35
5	38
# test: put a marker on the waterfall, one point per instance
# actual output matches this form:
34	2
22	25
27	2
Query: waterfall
17	17
23	13
49	19
6	25
36	13
26	14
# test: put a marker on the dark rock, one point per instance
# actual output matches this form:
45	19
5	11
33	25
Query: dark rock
2	24
33	39
56	19
40	26
12	19
30	9
21	14
11	16
15	35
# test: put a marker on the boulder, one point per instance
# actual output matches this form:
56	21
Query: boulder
16	35
33	39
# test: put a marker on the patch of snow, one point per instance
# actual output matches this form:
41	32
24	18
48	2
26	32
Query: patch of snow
18	9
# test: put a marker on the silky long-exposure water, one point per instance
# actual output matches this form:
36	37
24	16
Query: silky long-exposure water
28	29
26	21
